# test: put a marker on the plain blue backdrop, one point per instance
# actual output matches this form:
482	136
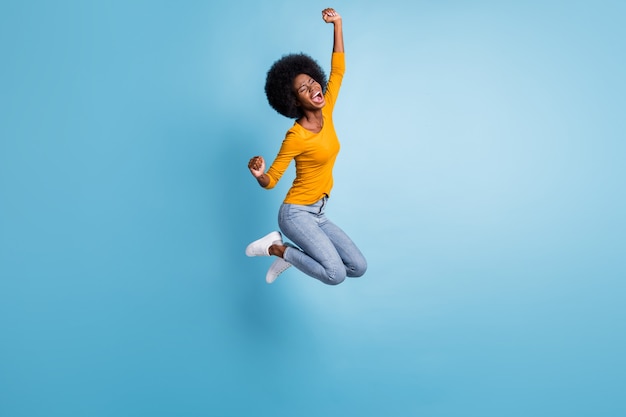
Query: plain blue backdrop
482	174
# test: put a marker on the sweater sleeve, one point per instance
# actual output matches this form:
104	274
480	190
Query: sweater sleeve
337	70
288	151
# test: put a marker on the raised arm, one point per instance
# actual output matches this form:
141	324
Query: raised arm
331	16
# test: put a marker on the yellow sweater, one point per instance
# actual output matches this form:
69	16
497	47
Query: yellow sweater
314	153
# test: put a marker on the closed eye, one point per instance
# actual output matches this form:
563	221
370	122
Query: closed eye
303	89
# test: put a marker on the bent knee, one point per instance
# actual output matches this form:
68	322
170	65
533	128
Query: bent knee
335	281
357	270
335	277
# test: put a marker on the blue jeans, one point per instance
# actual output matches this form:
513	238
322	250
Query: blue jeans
324	250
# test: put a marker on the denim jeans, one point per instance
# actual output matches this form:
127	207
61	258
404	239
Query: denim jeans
324	250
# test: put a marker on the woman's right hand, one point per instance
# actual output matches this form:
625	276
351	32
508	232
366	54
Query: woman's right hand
257	166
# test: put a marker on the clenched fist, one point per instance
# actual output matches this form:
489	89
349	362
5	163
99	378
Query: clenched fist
257	166
330	15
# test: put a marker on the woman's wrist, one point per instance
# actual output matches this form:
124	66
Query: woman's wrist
263	180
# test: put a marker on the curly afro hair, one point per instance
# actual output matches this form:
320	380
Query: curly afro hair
278	84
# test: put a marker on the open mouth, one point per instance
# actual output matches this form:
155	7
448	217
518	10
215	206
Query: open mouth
317	97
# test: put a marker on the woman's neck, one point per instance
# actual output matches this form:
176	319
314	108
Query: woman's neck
313	121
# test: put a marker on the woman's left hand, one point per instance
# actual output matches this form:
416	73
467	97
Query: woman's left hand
330	15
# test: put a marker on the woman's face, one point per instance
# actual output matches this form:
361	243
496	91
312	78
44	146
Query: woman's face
308	92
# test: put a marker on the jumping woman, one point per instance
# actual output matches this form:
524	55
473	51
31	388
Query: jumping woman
296	87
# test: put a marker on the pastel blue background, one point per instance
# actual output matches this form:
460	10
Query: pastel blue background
482	173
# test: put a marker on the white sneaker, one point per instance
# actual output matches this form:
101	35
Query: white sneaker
278	267
261	246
